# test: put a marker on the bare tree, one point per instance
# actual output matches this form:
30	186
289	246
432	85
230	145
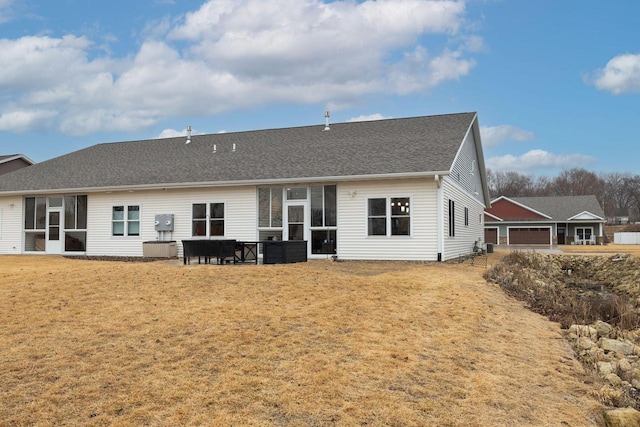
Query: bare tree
510	184
618	190
614	191
579	182
633	187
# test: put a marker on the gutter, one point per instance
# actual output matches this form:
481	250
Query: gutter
242	183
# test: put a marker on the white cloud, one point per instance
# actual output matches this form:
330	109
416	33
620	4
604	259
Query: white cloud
620	75
535	160
172	133
236	54
22	121
5	10
419	71
496	135
368	118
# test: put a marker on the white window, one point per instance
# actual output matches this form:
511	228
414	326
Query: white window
270	205
125	220
584	233
389	216
466	216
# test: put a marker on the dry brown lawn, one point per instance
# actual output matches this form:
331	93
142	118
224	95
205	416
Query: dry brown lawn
313	344
610	248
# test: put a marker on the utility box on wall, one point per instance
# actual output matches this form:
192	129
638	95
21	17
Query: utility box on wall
164	222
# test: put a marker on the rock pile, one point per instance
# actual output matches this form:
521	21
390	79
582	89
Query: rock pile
615	358
597	300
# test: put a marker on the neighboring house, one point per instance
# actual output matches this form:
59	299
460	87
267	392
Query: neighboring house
621	217
14	162
399	189
560	220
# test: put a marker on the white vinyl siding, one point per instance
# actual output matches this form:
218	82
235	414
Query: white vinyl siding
462	242
11	224
240	216
353	239
465	170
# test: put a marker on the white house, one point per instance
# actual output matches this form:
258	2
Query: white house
399	189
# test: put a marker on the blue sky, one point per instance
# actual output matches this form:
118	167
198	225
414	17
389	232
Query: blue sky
556	84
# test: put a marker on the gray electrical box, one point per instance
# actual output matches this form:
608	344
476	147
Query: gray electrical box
164	222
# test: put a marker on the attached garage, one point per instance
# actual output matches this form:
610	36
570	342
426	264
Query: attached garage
491	235
529	236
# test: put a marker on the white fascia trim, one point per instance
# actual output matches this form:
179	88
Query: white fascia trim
521	205
297	180
473	128
493	216
19	156
588	213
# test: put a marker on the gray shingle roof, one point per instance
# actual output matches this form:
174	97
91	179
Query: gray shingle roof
411	145
561	208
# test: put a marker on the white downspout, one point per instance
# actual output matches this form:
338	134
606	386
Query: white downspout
440	226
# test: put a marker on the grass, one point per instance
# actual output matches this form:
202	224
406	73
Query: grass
610	248
312	344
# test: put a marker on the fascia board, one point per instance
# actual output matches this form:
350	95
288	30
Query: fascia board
19	156
161	186
595	217
493	216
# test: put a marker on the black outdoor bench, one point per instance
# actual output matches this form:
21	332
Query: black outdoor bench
206	249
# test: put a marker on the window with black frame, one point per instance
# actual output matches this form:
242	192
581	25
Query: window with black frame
323	219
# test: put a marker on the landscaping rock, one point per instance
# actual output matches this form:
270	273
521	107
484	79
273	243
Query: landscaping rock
605	368
609	345
583	331
622	417
585	343
635	374
624	365
603	328
613	379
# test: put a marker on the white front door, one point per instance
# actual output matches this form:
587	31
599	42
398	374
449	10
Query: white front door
54	231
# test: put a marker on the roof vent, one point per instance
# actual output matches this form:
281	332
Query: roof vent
326	121
188	135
